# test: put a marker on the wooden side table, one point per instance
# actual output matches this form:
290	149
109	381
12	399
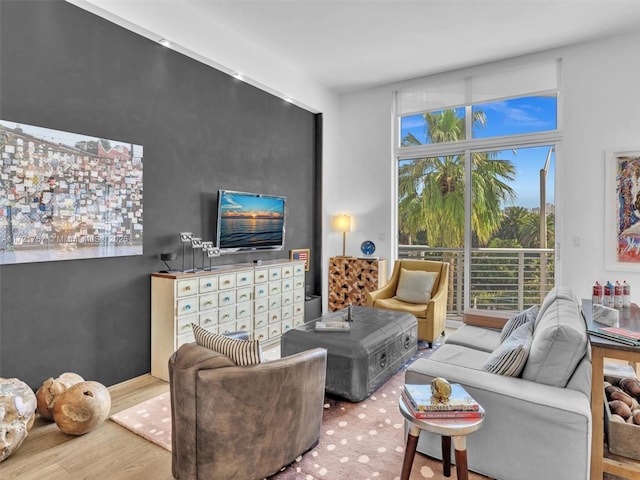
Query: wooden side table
448	428
350	278
602	348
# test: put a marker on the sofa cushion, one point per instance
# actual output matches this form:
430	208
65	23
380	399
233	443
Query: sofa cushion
415	309
478	338
242	352
559	339
461	356
525	316
415	286
510	356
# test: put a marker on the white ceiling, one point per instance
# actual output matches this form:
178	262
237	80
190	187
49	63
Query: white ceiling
349	45
354	44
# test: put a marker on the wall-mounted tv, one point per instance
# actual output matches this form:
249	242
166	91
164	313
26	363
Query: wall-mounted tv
250	222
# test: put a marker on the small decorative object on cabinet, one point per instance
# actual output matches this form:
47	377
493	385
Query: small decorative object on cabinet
265	299
350	278
368	247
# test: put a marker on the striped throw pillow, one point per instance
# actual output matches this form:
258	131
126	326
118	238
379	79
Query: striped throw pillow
525	316
242	352
511	355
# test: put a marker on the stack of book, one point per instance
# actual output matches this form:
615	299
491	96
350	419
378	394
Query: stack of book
421	404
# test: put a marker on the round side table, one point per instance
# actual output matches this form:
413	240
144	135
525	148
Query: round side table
448	428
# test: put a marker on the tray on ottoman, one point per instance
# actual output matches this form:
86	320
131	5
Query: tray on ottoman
361	359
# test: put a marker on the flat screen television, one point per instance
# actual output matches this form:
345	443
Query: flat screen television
250	222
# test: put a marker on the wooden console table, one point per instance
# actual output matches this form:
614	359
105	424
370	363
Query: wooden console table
602	348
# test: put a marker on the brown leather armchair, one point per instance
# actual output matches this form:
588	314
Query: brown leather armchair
242	422
431	316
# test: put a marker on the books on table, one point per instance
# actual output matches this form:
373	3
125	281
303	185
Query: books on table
423	405
333	326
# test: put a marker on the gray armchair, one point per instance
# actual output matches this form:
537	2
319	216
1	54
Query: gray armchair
242	422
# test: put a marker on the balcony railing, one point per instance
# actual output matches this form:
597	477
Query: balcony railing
501	278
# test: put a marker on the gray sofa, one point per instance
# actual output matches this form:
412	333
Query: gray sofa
537	425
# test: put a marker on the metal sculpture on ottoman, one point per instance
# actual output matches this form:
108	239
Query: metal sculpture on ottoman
17	413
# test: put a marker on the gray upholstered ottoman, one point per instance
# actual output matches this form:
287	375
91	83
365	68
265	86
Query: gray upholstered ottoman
362	359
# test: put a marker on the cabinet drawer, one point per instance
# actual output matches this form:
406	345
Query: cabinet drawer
274	330
275	302
209	319
287	285
208	301
261	334
297	321
227	281
298	270
227	297
185	338
287	298
243	294
261	305
286	313
226	328
243	279
287	271
186	287
184	324
298	282
261	320
275	273
243	310
274	316
187	305
298	308
243	325
261	275
286	325
298	295
226	314
261	291
208	284
275	288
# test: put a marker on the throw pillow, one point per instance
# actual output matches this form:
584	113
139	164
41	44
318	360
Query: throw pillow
525	316
414	286
511	355
242	352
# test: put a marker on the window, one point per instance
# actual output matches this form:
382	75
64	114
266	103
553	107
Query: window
476	182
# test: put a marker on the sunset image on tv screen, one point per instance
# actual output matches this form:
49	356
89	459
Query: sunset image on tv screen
250	220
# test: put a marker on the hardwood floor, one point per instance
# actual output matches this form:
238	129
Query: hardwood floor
110	452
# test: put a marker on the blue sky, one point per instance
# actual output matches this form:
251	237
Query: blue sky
511	117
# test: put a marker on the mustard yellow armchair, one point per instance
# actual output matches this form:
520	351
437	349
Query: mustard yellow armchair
432	312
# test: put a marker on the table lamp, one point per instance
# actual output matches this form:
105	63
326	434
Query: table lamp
342	223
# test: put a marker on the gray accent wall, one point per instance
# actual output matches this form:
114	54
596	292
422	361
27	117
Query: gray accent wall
202	130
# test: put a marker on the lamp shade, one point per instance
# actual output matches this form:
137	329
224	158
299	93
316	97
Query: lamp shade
342	223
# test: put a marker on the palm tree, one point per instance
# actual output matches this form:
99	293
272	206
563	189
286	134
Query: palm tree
431	190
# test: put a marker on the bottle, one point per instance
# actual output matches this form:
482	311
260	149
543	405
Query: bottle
617	295
626	294
607	299
596	296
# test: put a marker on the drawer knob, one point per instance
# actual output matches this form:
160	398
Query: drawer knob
208	285
187	288
187	307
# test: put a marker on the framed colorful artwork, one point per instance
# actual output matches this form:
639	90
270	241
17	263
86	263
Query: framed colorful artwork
67	196
622	214
301	254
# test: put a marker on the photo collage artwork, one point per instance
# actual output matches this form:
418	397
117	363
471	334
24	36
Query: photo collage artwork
65	195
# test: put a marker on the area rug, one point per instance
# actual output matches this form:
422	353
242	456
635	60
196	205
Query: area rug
362	440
